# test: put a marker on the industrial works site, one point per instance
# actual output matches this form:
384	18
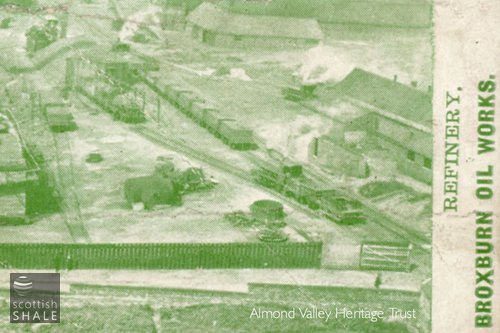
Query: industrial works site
183	163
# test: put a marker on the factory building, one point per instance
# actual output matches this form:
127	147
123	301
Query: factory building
398	116
215	26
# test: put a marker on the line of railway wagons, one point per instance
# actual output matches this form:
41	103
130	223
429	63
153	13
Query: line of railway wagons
289	179
208	116
126	107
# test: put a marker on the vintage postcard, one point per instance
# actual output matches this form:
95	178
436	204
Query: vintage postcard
249	166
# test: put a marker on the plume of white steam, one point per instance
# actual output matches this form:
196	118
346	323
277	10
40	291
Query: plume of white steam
293	139
149	16
240	74
321	64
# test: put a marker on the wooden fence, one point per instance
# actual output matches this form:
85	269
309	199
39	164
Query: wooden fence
161	256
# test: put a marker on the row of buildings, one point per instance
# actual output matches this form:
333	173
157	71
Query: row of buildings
216	26
384	13
397	116
392	116
280	23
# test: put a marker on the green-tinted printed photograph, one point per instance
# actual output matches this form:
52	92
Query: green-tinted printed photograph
217	166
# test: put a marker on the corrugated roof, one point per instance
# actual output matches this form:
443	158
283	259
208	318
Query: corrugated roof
388	95
213	18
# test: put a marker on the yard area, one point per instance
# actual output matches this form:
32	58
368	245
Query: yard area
107	217
247	86
244	85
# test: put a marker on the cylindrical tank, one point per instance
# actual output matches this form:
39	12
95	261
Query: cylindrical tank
268	211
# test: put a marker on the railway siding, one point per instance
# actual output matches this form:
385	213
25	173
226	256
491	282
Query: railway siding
374	214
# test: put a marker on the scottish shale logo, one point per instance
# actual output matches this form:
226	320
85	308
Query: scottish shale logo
23	285
34	297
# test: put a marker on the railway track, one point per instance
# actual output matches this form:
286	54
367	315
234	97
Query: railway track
376	216
178	146
65	186
369	208
63	177
381	219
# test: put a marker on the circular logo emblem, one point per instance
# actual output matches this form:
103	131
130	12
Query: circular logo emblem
23	285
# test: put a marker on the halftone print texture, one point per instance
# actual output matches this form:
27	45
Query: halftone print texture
220	166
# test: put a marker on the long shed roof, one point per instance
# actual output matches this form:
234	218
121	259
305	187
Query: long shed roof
388	95
210	17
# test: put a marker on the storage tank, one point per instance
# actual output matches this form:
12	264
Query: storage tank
268	211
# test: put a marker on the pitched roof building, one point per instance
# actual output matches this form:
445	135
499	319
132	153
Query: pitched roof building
390	98
400	116
214	25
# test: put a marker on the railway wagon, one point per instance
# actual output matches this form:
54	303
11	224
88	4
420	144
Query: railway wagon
299	93
235	136
126	108
199	109
176	92
337	208
290	180
329	202
131	114
300	188
170	90
186	99
212	121
276	176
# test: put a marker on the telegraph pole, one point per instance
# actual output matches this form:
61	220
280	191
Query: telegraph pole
158	106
